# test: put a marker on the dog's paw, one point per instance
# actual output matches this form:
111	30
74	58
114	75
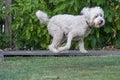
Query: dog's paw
61	49
83	51
53	49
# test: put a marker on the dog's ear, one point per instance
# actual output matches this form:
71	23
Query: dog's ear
85	11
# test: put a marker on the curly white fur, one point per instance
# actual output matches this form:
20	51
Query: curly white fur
42	17
71	27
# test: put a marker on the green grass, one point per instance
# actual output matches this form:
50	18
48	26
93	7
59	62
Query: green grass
61	68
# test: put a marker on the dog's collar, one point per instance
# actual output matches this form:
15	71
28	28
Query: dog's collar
88	25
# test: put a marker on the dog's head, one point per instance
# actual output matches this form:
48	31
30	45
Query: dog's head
94	16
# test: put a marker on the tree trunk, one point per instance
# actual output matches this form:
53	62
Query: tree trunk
8	20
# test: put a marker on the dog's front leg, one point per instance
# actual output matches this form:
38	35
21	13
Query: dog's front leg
68	44
81	46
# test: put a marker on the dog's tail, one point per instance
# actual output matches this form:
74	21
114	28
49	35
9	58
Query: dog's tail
42	17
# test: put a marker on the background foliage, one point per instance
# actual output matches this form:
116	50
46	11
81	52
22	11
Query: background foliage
27	33
4	42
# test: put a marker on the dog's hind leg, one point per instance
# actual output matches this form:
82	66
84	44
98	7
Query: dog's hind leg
68	44
57	38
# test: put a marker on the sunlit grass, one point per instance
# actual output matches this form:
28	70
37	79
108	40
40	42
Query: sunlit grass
61	68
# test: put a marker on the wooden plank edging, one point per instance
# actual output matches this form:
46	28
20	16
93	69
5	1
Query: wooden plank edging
69	53
1	56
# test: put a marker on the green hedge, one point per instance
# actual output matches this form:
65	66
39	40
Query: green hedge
28	33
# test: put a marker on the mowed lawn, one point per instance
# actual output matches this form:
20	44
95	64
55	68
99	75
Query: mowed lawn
61	68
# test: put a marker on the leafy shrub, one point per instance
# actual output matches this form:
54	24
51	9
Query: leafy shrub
28	33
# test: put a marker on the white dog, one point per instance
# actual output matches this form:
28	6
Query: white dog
71	27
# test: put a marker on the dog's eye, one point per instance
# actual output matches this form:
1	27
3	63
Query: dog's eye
96	16
101	15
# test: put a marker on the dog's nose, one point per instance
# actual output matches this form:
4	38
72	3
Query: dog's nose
101	21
